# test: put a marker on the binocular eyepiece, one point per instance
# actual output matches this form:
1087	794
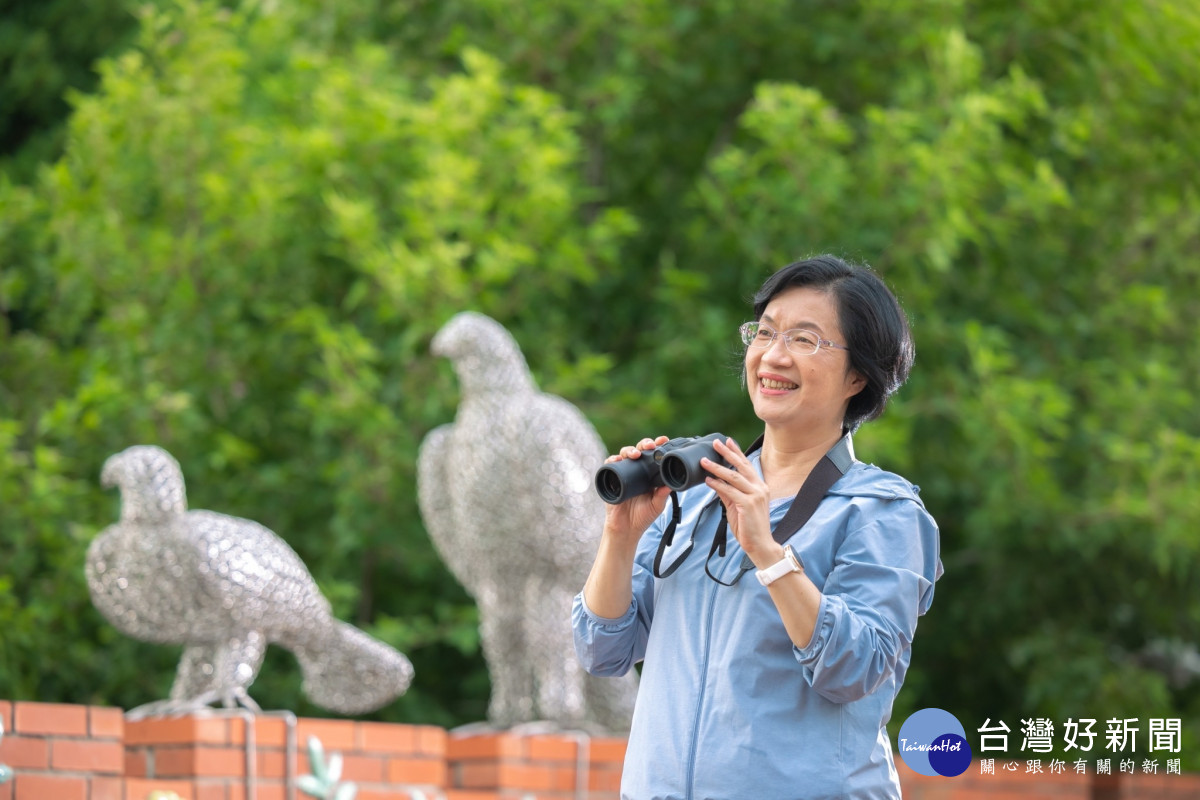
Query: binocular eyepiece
675	464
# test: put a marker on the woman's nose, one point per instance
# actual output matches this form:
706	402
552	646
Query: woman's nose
777	350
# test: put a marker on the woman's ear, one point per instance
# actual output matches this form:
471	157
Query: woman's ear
855	382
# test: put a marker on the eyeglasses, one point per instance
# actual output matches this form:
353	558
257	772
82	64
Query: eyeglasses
797	340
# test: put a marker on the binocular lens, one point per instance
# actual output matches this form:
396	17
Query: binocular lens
675	472
608	485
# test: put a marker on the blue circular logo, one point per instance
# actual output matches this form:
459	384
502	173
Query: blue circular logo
933	742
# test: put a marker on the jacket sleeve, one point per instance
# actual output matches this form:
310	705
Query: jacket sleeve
881	581
610	647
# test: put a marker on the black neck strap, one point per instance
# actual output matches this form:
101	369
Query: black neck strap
832	466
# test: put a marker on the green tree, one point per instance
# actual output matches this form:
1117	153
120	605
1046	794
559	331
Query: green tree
241	257
46	49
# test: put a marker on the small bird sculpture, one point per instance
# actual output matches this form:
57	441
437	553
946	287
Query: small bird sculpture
506	495
225	588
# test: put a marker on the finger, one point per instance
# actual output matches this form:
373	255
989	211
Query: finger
731	474
729	493
730	451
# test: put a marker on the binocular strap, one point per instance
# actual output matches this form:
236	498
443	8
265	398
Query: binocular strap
667	539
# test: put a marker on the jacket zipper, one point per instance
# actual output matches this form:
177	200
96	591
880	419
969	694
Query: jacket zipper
691	776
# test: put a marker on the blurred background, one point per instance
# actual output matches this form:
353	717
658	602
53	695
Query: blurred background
231	229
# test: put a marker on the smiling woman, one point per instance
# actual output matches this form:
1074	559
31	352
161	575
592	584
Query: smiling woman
790	678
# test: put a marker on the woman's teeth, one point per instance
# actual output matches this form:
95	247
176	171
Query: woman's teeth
767	383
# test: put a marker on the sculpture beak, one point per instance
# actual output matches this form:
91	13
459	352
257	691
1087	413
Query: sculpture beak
108	475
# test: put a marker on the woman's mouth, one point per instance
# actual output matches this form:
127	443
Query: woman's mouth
776	385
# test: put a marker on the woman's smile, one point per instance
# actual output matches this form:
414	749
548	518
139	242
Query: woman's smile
774	385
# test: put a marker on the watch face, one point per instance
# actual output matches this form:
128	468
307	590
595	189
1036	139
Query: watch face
790	555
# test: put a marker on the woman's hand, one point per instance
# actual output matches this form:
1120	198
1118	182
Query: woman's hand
628	520
609	588
747	500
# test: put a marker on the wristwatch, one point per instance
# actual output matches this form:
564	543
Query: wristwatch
789	563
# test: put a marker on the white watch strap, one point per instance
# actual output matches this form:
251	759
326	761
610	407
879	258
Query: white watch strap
788	564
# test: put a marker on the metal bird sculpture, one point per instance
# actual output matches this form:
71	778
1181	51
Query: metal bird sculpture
225	588
506	496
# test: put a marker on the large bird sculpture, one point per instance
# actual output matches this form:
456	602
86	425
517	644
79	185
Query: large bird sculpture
506	496
224	588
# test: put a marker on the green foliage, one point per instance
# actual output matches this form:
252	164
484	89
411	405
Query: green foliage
47	48
242	257
263	214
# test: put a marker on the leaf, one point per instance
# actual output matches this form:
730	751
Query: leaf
334	773
311	786
316	759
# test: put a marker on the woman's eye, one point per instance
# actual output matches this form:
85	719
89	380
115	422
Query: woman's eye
802	337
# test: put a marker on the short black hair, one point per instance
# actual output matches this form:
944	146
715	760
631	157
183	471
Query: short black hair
872	322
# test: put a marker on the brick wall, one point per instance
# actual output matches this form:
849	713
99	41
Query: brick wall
63	752
68	752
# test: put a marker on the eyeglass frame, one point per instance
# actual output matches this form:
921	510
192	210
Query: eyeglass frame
749	339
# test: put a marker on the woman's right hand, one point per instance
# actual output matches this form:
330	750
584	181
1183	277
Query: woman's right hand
627	521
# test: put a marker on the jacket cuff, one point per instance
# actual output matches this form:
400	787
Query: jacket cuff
608	623
808	655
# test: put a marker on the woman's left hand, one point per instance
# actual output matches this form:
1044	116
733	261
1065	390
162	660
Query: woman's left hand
747	500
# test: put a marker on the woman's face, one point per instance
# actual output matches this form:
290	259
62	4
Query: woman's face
806	392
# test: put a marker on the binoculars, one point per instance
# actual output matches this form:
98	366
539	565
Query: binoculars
675	464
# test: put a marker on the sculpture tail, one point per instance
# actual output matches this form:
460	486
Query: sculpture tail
350	672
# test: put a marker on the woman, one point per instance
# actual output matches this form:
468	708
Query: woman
779	687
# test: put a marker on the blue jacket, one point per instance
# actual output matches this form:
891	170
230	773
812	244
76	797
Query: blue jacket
728	707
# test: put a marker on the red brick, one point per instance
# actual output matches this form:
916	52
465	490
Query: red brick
381	737
268	790
268	731
87	756
335	734
50	719
270	763
432	741
551	748
136	762
200	762
178	730
484	745
606	750
424	771
140	788
107	789
44	787
106	723
477	775
526	776
607	780
22	752
362	768
562	779
405	793
211	791
271	732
